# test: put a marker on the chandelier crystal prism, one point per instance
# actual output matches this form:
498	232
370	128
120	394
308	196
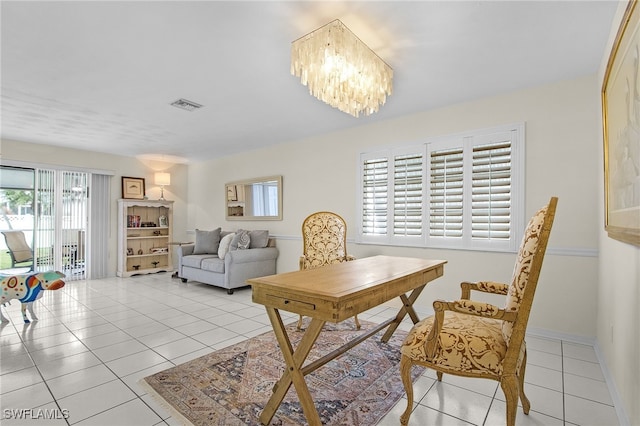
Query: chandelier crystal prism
341	70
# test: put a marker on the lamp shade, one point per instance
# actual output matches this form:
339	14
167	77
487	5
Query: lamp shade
162	178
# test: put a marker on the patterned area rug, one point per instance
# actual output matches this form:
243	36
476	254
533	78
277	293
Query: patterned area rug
231	386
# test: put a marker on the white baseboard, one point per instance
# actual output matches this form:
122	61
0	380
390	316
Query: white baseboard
613	390
567	337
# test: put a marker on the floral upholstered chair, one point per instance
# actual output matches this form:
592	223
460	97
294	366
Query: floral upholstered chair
476	339
324	242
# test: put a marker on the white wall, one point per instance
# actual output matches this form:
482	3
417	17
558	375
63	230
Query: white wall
618	326
119	166
320	173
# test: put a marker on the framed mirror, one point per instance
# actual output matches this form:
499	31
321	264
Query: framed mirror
254	199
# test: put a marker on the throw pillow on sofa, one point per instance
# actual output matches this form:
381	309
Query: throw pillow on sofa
207	242
259	239
225	243
241	241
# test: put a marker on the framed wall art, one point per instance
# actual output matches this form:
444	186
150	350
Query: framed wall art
621	124
133	188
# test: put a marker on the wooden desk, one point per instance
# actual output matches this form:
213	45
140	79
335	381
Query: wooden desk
334	293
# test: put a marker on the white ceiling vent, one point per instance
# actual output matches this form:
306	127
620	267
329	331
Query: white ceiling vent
185	104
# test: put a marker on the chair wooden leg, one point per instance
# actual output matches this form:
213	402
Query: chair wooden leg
526	405
509	385
355	318
405	374
299	325
439	374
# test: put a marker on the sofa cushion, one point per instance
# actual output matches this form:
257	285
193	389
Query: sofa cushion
241	241
213	264
259	239
195	260
207	242
225	242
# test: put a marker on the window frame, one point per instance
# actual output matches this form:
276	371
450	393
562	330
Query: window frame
467	141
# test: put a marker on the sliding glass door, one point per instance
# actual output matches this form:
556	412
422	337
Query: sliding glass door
17	194
50	209
61	222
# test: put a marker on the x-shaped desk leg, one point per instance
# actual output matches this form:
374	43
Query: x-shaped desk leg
407	308
294	361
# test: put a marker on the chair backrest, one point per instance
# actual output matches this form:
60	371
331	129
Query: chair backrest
527	270
18	247
324	240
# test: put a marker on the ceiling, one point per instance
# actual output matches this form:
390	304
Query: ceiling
101	75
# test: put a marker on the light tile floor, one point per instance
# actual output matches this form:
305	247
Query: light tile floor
95	339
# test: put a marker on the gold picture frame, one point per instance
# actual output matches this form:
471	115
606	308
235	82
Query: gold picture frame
621	125
133	188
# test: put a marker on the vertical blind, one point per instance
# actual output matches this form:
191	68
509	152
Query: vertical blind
44	216
61	221
99	220
75	191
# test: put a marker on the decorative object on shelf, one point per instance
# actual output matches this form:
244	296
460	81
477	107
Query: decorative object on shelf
136	267
155	263
140	251
163	179
621	113
133	188
129	252
159	250
341	70
163	221
133	221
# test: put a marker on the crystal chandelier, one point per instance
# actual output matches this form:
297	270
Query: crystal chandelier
341	70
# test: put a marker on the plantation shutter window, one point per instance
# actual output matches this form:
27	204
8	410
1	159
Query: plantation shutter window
375	196
463	191
446	199
491	191
407	195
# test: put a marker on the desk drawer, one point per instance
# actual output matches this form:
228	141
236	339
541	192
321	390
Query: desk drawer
289	304
297	303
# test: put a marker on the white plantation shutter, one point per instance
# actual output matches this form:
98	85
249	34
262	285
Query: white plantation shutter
375	192
491	191
463	191
446	188
407	195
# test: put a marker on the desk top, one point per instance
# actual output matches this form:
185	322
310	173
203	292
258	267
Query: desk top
337	292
